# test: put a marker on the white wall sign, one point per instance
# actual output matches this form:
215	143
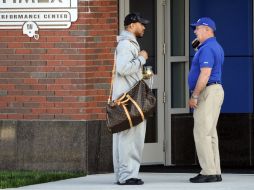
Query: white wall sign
32	15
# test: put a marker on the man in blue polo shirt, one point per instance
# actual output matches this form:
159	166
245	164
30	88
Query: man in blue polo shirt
206	99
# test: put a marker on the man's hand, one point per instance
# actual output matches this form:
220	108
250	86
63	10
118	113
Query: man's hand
144	54
193	103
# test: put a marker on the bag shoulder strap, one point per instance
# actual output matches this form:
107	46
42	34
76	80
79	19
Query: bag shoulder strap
114	73
112	79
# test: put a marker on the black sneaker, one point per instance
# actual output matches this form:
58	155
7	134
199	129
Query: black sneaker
219	178
204	178
132	181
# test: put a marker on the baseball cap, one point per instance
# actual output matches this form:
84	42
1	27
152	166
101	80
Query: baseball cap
133	18
206	21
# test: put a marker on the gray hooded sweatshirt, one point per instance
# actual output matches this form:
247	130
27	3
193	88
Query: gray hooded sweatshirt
128	64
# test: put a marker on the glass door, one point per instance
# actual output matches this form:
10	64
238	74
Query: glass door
177	64
153	43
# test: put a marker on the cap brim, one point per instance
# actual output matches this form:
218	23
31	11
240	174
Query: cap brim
144	21
193	26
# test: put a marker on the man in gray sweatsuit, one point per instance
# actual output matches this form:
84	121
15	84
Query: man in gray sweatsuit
128	145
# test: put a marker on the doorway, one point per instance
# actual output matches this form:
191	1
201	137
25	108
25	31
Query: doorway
166	40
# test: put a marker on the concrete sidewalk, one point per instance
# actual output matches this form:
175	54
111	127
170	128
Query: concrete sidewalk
153	181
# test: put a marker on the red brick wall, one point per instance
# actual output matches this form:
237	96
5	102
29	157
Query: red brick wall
65	75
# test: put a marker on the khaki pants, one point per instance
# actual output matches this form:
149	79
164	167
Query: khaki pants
205	132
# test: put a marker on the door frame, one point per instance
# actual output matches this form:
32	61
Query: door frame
154	153
170	59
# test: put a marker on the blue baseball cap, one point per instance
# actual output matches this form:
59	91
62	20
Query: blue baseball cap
205	21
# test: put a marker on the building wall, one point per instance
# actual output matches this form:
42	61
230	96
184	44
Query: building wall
235	33
64	75
236	140
235	127
53	93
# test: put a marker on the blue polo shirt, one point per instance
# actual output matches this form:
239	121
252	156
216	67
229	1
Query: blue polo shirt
210	54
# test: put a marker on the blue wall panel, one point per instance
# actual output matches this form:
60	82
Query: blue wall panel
237	82
234	22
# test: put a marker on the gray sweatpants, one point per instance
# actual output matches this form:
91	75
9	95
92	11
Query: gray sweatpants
127	152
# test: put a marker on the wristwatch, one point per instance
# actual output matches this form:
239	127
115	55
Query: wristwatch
194	96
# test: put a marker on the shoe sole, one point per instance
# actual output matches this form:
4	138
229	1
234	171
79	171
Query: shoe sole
130	183
206	181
